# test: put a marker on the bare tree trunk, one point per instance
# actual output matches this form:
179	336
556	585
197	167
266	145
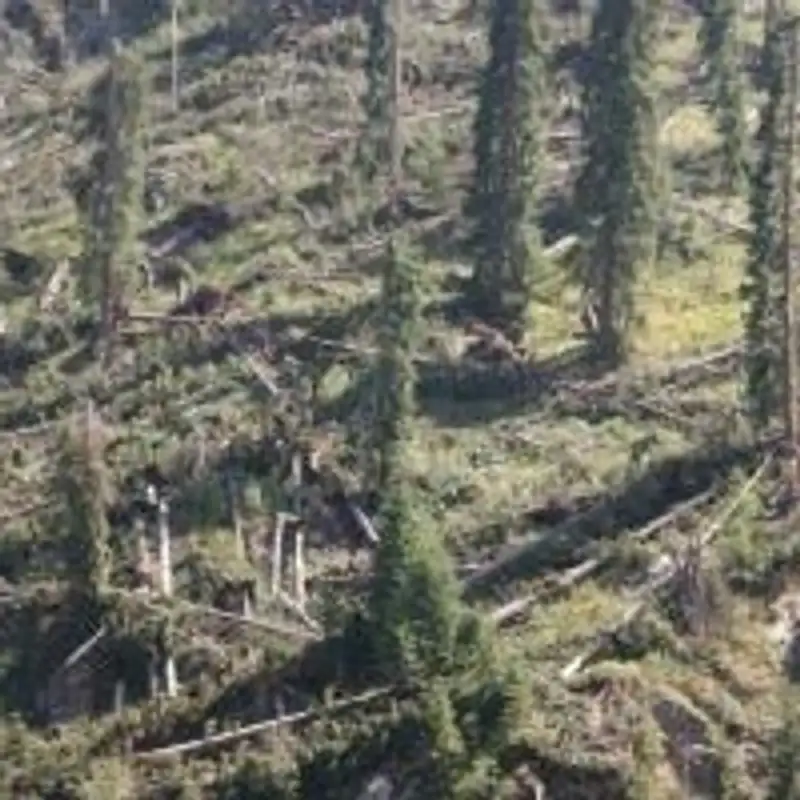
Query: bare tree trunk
165	554
299	570
152	678
119	696
277	553
170	674
247	604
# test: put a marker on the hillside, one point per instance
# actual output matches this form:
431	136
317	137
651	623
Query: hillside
558	489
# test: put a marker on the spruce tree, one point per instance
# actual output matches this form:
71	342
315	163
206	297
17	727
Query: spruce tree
415	599
83	493
374	141
415	604
719	46
395	376
508	148
618	188
108	194
762	288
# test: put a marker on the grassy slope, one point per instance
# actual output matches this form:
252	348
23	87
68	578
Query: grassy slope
287	111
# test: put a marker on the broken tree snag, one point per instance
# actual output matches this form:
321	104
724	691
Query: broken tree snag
299	566
645	593
219	740
247	603
170	675
143	576
277	553
164	544
152	675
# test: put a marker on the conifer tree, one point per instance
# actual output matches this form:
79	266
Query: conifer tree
415	604
374	142
762	288
395	377
83	492
719	47
618	188
415	600
508	142
108	194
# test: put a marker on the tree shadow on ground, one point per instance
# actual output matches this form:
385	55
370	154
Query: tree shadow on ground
312	339
253	28
611	514
470	394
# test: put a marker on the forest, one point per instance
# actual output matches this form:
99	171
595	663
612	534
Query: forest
398	400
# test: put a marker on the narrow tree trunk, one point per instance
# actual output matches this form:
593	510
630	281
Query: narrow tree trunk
247	604
277	553
299	570
152	674
170	674
165	555
119	696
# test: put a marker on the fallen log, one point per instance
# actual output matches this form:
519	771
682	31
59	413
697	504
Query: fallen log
228	616
214	741
575	575
646	592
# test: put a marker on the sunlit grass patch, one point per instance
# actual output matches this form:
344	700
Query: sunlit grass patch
691	308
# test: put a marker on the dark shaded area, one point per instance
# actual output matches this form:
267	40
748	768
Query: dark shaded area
77	31
667	483
23	269
569	778
196	223
202	302
48	43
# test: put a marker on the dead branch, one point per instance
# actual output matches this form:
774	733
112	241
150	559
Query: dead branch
575	575
81	651
26	511
31	430
725	223
276	723
293	607
229	616
646	592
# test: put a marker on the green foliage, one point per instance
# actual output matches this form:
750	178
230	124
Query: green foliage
256	779
617	191
372	152
35	769
83	492
646	753
762	289
415	605
784	757
108	194
508	148
400	309
719	46
746	550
